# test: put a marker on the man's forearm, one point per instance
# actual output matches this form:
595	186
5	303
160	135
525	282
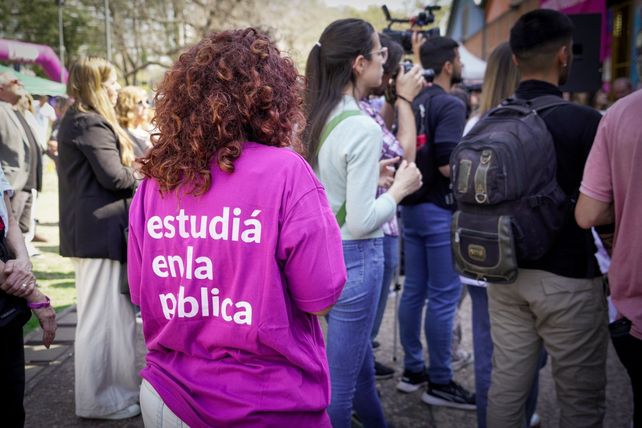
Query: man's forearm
15	240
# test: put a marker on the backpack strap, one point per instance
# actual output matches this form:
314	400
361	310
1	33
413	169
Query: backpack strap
325	132
545	102
421	107
523	106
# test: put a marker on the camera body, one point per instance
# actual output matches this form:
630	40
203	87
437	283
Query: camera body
427	73
404	37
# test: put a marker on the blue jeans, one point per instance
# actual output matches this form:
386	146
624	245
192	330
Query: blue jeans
390	263
429	275
349	348
483	347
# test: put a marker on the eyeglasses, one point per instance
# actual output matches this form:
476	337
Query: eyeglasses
143	103
383	53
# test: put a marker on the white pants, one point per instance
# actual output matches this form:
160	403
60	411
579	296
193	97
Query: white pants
105	360
155	413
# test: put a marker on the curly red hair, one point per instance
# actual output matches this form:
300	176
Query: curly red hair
231	87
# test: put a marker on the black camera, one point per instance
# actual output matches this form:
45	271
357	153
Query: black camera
428	73
404	37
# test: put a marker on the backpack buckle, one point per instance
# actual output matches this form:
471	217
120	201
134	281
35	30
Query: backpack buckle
484	159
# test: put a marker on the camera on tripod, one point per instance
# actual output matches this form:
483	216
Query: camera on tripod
404	38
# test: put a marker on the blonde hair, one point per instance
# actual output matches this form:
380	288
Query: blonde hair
25	103
500	78
128	98
85	85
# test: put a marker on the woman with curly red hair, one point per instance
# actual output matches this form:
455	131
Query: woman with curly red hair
233	248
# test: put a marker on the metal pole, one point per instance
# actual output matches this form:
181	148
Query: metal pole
108	30
61	40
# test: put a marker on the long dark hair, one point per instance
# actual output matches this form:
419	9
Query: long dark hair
328	71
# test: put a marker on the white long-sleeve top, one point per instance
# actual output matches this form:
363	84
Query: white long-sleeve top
348	167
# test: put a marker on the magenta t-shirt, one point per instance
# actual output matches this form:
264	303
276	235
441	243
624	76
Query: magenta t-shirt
226	282
613	175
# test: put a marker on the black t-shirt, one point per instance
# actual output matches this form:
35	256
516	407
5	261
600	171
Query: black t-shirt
573	128
445	117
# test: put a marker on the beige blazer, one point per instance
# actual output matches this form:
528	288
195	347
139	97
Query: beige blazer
14	147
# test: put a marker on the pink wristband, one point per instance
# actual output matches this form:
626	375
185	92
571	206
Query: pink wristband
40	305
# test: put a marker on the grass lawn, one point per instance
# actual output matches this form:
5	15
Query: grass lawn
55	274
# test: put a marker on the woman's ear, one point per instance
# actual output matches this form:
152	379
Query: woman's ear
359	64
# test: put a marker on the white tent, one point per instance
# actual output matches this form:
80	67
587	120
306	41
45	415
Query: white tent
474	67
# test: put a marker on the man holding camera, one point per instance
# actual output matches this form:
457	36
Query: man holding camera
426	217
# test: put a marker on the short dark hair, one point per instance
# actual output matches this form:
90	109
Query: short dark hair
538	35
437	51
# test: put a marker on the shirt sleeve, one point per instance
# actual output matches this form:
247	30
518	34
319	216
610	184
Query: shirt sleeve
596	182
310	251
364	213
449	129
135	244
50	113
5	186
98	143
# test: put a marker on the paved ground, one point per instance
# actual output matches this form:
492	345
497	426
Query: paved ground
50	378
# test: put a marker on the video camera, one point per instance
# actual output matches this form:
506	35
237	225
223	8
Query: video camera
404	38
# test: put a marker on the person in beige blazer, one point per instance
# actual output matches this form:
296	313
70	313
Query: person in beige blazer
14	144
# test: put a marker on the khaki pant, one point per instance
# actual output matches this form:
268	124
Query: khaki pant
105	363
569	317
156	414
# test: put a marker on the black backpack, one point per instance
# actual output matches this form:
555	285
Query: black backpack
510	205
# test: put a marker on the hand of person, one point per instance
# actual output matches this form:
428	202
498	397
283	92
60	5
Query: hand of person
46	317
417	40
387	172
407	181
52	149
409	84
18	279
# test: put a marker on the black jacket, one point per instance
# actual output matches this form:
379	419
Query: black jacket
94	188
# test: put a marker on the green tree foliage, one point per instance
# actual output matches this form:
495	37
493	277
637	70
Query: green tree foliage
148	35
36	21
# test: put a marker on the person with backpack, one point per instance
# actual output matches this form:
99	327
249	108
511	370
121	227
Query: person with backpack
343	144
515	178
426	217
494	91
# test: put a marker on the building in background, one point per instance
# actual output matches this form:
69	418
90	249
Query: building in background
481	25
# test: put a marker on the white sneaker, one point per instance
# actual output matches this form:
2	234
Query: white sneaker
129	412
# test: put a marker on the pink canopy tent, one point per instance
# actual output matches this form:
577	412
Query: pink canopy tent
44	56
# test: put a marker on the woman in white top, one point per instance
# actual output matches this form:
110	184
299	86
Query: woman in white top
344	145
